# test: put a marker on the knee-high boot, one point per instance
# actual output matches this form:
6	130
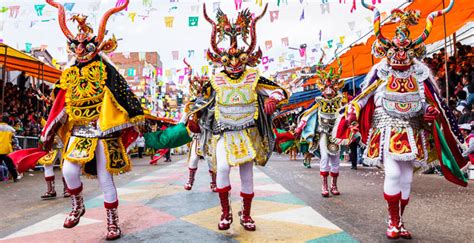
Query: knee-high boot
189	185
213	184
113	229
78	208
226	216
404	233
393	202
51	193
245	219
334	190
324	182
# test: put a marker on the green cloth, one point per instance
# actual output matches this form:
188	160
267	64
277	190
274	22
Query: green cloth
448	159
304	147
286	145
171	137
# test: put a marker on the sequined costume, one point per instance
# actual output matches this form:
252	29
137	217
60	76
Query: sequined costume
398	111
95	114
316	125
235	117
196	151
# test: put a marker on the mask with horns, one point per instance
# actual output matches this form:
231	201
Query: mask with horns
328	82
234	59
85	45
401	50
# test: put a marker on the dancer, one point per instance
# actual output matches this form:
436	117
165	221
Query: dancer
316	124
95	114
196	85
48	162
398	109
236	115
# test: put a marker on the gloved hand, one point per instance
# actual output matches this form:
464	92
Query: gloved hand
351	118
193	126
299	129
270	105
431	113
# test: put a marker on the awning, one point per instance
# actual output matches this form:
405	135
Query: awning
462	13
15	60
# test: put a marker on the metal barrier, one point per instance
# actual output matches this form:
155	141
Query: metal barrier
27	142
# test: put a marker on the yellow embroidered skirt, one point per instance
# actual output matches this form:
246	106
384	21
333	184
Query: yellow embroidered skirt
82	151
242	147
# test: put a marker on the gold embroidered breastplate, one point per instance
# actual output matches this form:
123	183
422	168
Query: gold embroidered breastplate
84	91
236	100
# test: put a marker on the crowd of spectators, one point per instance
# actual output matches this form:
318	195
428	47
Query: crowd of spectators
24	108
460	80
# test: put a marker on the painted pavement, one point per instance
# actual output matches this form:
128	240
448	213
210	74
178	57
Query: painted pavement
156	208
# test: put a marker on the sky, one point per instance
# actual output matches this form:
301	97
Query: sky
148	31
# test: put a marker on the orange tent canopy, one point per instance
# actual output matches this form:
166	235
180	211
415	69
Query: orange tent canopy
461	13
15	60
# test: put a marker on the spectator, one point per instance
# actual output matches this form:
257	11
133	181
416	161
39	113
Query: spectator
6	136
140	145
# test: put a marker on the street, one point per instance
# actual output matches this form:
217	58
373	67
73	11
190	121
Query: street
288	207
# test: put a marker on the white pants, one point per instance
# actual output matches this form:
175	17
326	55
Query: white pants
49	169
223	170
194	157
328	162
72	174
398	177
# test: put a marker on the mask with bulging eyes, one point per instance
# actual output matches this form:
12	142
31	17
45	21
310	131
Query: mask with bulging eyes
235	59
402	51
85	45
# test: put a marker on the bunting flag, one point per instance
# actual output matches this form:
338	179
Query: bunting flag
274	15
132	16
169	21
3	9
168	73
238	4
268	44
302	15
14	11
325	8
342	39
281	59
187	71
320	35
264	60
351	25
354	6
193	21
204	69
159	71
302	50
270	60
190	53
172	8
330	43
33	23
28	47
39	9
175	55
147	3
69	6
131	72
180	79
284	41
259	2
